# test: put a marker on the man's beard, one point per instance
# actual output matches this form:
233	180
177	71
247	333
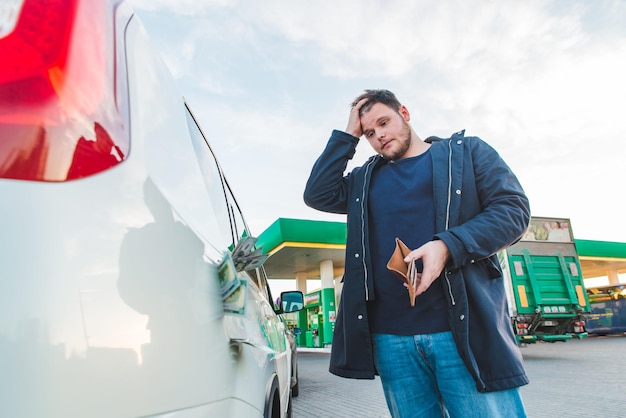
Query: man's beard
404	141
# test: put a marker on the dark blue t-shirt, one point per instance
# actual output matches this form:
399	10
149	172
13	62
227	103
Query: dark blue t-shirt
401	205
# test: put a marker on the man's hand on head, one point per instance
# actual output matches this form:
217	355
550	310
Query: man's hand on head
354	122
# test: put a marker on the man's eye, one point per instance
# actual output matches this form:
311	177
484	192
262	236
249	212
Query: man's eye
383	123
369	134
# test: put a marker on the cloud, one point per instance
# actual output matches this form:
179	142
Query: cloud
392	38
539	80
181	7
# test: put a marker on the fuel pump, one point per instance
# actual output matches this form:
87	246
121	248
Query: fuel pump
320	317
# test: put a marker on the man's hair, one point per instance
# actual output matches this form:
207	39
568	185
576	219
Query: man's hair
377	96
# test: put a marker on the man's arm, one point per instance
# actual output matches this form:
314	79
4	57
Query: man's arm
504	215
327	187
502	221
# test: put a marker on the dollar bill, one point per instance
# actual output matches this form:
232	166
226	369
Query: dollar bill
250	261
227	274
244	247
235	303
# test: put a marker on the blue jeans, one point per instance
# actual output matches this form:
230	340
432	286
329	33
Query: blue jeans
424	376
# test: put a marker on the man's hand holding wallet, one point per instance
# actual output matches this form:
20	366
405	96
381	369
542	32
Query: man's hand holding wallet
434	255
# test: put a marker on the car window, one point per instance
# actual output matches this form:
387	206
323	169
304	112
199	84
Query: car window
240	229
216	226
260	278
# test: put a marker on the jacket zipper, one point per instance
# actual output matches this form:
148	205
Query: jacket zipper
446	272
363	191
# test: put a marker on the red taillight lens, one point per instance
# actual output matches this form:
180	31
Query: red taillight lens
59	118
579	326
522	328
39	40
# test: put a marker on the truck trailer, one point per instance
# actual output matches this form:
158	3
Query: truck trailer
544	283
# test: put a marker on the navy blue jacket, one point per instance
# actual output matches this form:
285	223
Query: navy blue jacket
480	208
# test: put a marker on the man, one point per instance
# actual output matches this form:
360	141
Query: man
455	203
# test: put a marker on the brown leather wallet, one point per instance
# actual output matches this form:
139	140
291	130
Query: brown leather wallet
403	270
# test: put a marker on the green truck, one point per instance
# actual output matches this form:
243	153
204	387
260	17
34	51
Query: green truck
544	283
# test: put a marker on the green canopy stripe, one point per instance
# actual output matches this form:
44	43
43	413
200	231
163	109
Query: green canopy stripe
300	230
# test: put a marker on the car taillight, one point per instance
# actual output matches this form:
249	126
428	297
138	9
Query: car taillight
579	326
522	328
59	114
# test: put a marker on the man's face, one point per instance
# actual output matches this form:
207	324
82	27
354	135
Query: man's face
387	131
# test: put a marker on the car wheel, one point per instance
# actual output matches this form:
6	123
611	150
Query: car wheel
295	390
290	406
272	401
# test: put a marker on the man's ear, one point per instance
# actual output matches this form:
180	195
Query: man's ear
404	112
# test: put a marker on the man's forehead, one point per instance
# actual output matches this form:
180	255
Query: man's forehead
376	107
376	112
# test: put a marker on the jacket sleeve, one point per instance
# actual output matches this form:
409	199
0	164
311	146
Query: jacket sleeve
502	211
327	187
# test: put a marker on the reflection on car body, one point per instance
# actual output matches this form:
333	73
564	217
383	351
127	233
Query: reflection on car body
116	216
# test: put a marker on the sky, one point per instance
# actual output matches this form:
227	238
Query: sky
543	82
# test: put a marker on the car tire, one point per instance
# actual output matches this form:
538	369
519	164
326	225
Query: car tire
290	406
295	390
272	400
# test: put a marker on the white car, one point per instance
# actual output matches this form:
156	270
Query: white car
129	282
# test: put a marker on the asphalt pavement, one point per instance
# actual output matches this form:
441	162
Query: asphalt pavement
578	378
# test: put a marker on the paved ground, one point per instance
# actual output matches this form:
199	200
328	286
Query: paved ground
579	378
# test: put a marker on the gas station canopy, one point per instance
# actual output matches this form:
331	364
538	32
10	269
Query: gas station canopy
298	246
599	257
